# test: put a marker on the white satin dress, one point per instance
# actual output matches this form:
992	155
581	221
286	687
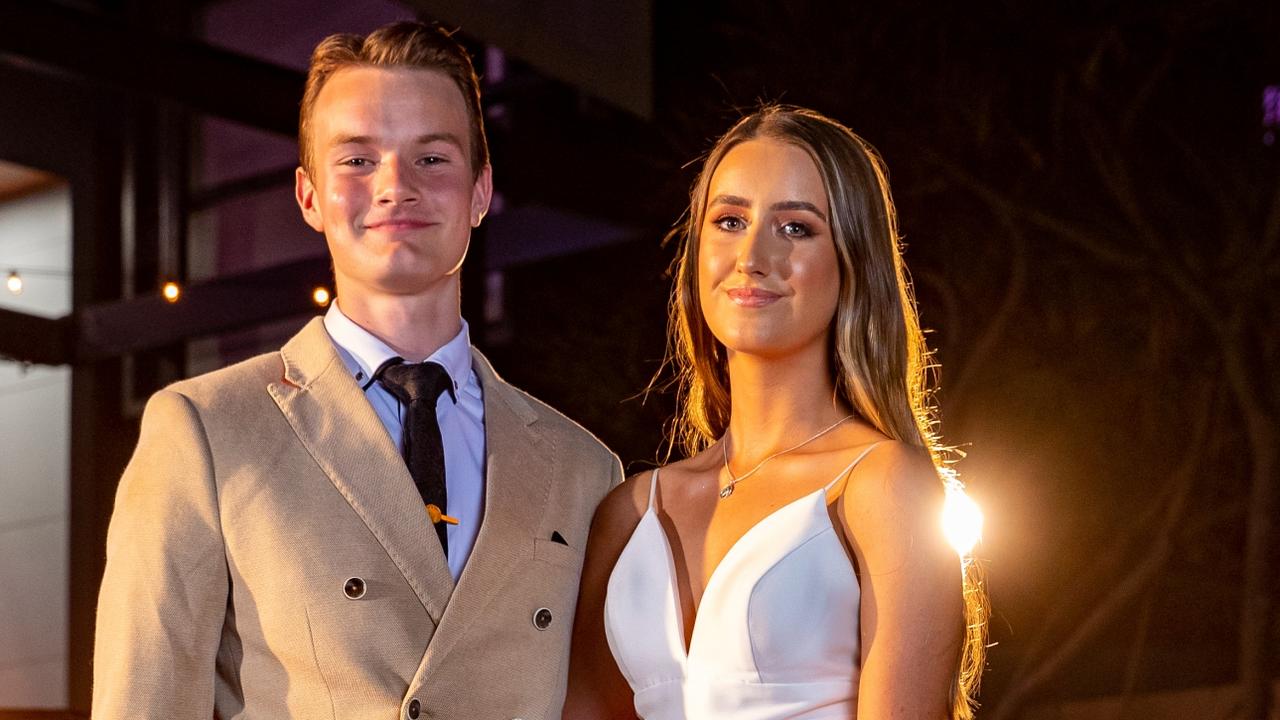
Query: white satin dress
776	635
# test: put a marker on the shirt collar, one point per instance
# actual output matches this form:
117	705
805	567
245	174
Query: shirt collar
363	353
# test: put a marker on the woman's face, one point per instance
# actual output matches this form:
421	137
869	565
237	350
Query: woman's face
768	278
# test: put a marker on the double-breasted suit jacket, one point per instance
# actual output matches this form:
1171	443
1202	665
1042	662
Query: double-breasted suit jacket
269	556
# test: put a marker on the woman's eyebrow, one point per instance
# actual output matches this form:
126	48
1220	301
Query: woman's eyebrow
798	205
733	200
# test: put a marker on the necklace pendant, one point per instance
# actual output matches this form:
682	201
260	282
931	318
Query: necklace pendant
726	491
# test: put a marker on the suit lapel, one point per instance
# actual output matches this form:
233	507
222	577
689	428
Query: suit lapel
340	429
519	468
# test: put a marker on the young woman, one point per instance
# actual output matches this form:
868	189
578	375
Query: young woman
793	565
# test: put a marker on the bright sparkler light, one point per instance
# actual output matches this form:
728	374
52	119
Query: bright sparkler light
171	292
14	282
961	521
320	296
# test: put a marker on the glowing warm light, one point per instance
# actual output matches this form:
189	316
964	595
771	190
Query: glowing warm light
171	292
14	283
321	296
961	521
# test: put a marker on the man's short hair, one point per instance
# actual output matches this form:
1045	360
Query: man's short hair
405	44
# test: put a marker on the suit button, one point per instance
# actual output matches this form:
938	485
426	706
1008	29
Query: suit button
354	588
542	618
415	709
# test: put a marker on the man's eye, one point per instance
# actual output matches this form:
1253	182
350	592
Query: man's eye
357	162
431	160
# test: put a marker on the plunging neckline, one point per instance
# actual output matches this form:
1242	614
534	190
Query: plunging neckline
689	633
787	570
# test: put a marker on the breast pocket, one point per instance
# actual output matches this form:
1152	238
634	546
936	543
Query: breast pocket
549	587
559	554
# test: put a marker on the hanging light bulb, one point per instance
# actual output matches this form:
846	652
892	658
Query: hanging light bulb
14	282
320	296
171	291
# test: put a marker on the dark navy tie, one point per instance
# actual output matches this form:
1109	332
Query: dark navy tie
418	386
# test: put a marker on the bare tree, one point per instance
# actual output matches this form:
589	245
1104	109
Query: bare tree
1203	225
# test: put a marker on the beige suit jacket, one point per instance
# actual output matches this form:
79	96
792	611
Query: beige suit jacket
259	491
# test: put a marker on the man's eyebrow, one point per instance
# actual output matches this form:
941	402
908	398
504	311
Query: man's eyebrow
351	140
420	140
439	137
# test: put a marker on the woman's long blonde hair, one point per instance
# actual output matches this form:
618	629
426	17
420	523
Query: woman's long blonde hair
881	362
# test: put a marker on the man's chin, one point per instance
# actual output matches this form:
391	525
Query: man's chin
401	285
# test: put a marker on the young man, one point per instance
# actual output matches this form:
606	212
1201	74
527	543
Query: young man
368	523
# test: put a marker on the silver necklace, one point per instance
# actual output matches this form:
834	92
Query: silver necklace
727	490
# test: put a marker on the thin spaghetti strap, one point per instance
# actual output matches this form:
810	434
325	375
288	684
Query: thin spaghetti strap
849	468
653	487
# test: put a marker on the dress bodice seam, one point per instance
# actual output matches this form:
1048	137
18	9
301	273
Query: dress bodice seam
751	594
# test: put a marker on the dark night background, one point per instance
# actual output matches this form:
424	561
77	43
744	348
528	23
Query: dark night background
1089	195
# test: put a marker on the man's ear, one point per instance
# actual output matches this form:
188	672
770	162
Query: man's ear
305	193
481	194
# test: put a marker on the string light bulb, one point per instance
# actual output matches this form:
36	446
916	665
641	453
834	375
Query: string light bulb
171	291
961	521
320	296
14	282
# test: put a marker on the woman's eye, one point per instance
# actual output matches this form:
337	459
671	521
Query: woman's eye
730	223
796	229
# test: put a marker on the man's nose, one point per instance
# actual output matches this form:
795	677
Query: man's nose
394	183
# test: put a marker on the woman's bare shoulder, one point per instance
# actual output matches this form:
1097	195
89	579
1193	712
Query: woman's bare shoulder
892	503
621	510
895	473
686	468
625	504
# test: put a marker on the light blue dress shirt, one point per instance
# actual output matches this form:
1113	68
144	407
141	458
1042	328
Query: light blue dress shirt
461	421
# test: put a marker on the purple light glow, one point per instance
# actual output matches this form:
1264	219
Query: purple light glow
1271	106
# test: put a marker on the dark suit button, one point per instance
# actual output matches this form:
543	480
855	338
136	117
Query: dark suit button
354	589
415	709
542	619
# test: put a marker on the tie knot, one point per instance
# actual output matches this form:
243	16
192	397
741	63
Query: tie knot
416	381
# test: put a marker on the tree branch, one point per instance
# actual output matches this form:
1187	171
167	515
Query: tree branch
1081	239
1129	586
981	349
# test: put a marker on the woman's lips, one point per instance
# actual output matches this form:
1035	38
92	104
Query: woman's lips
752	297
